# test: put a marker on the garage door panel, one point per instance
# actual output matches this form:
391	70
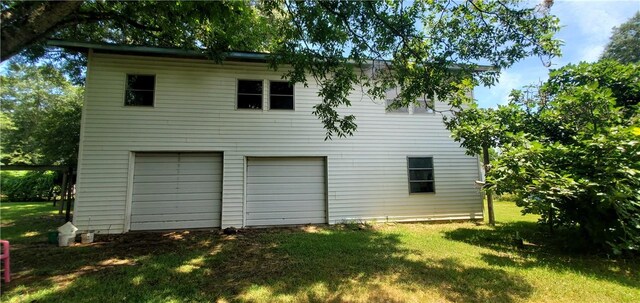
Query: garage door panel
282	191
285	171
176	197
158	171
182	178
280	162
292	221
174	191
267	198
156	158
284	206
288	179
194	166
173	188
200	177
154	225
199	157
283	188
199	216
154	179
278	215
267	173
171	207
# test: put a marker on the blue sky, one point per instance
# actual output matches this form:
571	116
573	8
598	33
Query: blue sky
586	28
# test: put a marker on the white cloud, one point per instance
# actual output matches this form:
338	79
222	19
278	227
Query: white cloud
586	28
591	54
587	25
509	80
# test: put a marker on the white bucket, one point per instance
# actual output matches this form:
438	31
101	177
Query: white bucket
66	239
87	238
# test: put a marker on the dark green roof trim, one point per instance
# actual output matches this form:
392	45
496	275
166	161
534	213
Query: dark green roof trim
176	52
153	51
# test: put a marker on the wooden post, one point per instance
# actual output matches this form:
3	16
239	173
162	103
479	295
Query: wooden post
70	195
63	191
487	167
551	218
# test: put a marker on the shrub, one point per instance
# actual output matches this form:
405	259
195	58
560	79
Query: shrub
28	186
576	158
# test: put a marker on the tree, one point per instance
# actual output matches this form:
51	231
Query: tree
44	110
220	26
479	131
624	44
425	47
571	153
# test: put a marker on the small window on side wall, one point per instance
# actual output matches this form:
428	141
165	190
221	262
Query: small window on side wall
390	96
421	179
424	107
140	90
281	95
250	94
399	110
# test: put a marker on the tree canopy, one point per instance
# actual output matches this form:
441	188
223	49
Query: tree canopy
624	44
40	116
570	151
425	47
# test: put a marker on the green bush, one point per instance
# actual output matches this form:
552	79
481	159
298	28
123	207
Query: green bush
28	186
575	157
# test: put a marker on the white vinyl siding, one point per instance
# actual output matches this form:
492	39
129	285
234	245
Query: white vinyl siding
285	191
176	191
195	111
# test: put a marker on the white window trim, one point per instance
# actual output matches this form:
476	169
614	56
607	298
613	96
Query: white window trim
262	94
433	170
126	89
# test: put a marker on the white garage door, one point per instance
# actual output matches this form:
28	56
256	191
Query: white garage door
176	190
283	191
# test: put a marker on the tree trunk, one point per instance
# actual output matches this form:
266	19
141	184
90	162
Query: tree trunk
63	191
27	22
551	218
70	195
487	167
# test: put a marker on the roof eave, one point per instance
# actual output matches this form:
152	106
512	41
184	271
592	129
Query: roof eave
178	52
153	51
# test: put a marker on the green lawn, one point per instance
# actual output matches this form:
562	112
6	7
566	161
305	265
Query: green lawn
459	262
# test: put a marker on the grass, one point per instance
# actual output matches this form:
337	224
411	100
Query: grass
457	262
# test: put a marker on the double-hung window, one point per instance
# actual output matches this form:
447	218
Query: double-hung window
140	90
421	179
281	95
250	94
424	107
390	97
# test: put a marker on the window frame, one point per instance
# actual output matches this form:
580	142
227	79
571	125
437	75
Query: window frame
126	90
398	111
238	93
293	95
428	111
433	173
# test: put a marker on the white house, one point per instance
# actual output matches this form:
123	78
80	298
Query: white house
171	140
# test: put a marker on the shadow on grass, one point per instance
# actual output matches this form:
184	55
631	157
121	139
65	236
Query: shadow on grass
541	249
289	264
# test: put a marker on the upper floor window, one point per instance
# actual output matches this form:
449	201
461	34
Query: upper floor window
250	94
390	96
280	95
424	107
421	178
401	110
140	90
421	106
